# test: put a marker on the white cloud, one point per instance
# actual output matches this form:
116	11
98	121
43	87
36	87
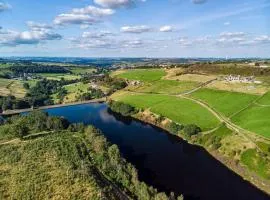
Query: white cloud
166	29
117	3
232	34
83	16
4	7
93	11
65	19
91	35
227	23
38	26
33	36
136	29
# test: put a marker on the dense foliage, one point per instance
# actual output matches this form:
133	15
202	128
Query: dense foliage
40	94
122	108
92	93
91	162
10	102
36	68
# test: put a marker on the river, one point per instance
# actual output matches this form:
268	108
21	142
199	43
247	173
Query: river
164	161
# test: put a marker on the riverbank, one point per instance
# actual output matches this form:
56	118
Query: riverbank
233	165
18	111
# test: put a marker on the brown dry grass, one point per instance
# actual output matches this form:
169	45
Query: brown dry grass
249	88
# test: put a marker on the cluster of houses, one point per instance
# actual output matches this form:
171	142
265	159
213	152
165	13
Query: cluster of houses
134	83
25	76
241	79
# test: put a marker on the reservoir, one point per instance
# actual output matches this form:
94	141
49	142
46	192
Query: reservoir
164	161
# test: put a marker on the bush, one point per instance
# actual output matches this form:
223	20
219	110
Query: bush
175	128
190	130
121	108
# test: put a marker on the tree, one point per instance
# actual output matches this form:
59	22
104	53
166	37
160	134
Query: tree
190	130
175	128
26	86
20	128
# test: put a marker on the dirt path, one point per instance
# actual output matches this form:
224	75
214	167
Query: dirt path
15	141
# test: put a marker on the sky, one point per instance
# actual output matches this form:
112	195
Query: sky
135	28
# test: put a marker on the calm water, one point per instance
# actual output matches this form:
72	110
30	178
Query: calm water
164	161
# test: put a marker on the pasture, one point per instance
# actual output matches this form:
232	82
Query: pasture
179	110
249	88
167	87
11	87
146	75
256	163
74	90
224	102
59	76
191	77
82	70
255	119
265	100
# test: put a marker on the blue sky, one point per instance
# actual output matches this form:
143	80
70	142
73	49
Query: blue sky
135	28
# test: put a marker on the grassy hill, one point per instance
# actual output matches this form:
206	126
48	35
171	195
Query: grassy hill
43	157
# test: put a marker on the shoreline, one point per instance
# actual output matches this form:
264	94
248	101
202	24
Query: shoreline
18	111
240	170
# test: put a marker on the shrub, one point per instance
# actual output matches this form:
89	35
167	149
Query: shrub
175	128
191	129
121	108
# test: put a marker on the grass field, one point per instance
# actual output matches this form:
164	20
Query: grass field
265	100
255	119
249	88
225	102
12	87
75	90
167	87
256	162
56	76
146	75
82	70
191	77
179	110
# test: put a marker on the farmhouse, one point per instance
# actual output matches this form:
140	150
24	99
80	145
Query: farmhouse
134	83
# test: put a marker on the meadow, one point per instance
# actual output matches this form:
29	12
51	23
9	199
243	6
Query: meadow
179	110
11	87
265	100
74	90
224	102
58	76
256	162
255	119
82	70
167	87
147	75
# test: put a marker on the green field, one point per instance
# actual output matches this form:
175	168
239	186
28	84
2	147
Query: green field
11	87
225	102
58	76
74	90
256	162
255	119
146	75
82	70
265	100
179	110
167	87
